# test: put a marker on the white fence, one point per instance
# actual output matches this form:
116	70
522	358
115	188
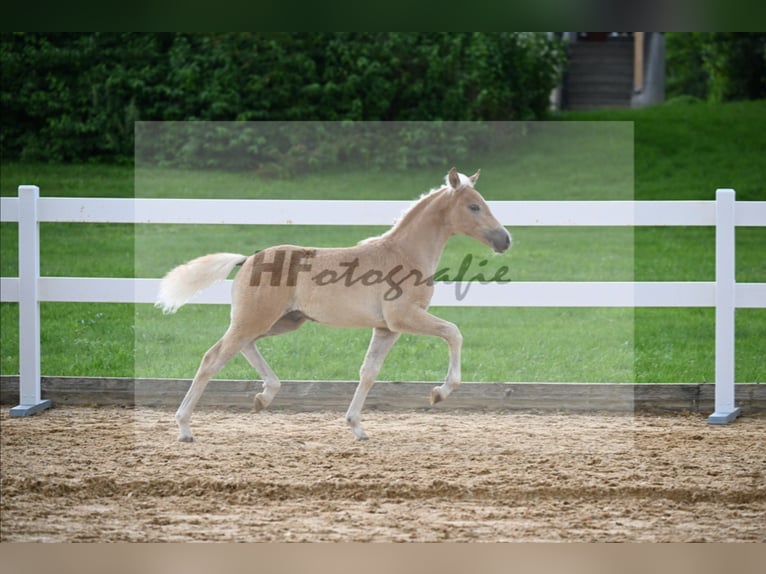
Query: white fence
29	289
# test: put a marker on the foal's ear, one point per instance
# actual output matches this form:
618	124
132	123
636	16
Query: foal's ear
453	178
475	177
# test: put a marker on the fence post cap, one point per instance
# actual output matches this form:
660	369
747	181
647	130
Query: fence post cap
27	189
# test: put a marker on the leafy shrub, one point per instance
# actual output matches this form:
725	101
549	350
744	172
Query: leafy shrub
76	97
290	148
717	66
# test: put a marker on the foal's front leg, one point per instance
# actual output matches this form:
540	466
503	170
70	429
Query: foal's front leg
418	321
380	344
455	342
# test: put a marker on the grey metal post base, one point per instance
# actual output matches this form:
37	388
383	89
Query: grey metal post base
27	410
724	418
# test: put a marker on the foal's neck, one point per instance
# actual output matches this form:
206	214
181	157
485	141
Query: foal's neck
422	234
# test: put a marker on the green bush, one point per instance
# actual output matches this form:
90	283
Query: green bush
736	63
717	66
276	149
75	97
684	65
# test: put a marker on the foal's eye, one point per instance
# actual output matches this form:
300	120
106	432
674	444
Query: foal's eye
474	207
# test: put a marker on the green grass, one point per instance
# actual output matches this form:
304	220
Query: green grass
681	152
686	151
500	345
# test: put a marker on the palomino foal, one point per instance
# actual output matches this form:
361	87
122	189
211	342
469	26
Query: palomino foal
383	282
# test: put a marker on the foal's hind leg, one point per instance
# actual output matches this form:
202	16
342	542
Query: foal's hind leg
288	322
380	344
271	382
213	361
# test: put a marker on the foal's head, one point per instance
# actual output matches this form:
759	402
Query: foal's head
470	215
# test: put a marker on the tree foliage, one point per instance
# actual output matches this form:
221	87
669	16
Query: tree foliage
75	97
717	66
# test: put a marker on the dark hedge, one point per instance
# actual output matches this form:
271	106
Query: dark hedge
76	97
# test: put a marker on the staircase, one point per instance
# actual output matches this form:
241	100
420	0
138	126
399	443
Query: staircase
599	75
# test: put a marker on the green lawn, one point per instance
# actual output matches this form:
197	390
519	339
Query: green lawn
680	152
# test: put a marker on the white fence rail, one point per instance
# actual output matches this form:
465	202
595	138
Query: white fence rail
29	289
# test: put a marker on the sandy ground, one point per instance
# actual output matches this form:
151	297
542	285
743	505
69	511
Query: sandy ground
111	474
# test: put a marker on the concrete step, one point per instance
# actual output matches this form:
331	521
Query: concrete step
600	75
597	104
600	80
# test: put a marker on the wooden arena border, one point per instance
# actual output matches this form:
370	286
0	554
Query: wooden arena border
306	396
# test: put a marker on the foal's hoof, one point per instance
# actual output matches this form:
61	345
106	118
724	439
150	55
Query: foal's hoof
436	396
358	431
185	438
359	434
260	404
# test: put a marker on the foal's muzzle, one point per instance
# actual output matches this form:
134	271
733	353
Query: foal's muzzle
500	239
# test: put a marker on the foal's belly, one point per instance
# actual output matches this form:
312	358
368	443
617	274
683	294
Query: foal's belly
340	313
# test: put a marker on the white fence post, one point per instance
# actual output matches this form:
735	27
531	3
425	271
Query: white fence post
30	400
725	290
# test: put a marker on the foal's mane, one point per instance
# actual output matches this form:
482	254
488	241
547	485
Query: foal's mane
419	204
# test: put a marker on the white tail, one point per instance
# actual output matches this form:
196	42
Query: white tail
184	281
